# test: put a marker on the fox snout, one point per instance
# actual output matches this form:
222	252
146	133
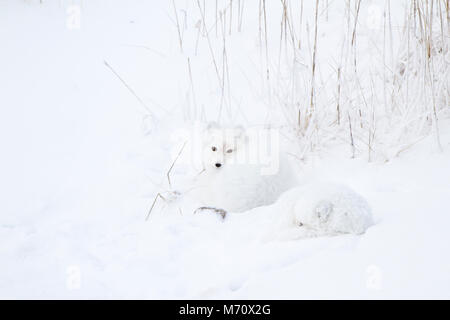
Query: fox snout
218	165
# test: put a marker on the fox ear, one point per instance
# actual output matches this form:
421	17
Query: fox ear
212	126
240	134
211	130
239	131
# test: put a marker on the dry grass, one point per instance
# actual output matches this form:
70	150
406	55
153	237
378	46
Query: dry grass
389	97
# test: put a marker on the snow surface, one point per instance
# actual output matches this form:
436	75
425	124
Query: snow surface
82	162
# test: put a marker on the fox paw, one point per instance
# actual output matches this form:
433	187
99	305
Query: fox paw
217	211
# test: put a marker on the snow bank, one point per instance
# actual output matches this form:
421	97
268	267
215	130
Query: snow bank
83	158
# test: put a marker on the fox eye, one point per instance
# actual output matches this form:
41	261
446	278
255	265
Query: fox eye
229	150
214	149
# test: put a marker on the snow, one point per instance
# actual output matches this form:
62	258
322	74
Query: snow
83	158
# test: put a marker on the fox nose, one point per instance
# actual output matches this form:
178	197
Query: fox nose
218	165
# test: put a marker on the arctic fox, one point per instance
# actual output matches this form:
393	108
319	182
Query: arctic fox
239	175
241	169
316	209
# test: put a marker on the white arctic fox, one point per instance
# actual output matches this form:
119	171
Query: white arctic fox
240	173
317	209
241	169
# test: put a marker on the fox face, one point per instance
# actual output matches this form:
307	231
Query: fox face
221	146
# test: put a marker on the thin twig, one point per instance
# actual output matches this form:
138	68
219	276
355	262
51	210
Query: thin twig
173	163
208	40
153	204
129	88
180	39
